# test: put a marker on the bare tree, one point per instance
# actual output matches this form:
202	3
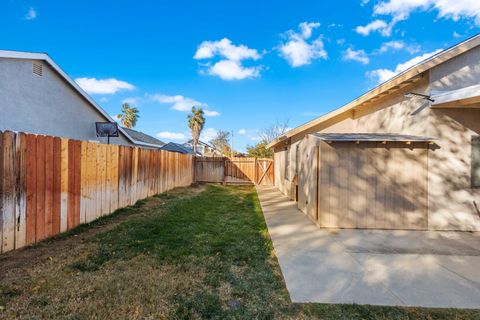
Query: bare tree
275	130
221	142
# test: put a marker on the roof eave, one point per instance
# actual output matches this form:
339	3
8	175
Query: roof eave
411	73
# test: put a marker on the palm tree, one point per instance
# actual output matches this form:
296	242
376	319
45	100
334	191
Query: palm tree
129	116
196	121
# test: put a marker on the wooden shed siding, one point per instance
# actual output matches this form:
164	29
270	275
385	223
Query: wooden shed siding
369	185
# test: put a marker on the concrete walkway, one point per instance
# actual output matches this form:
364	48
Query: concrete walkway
378	267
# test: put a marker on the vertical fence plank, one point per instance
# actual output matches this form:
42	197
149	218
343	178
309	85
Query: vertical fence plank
31	185
48	186
40	190
115	161
77	176
98	185
8	191
1	191
101	179
83	182
71	186
90	174
108	179
64	174
21	195
57	188
74	181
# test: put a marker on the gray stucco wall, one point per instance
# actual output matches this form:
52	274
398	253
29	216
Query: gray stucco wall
45	104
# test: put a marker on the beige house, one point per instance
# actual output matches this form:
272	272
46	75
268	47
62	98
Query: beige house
405	155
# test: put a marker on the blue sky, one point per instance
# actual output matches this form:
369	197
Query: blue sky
249	63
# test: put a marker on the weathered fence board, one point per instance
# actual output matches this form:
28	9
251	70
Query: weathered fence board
49	185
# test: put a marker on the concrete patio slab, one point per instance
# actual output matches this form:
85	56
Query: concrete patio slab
378	267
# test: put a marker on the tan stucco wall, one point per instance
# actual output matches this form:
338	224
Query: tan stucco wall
450	197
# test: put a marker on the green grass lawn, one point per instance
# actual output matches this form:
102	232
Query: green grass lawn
190	253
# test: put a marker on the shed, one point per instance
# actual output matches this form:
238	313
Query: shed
363	180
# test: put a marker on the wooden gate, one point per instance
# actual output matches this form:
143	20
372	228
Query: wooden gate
234	170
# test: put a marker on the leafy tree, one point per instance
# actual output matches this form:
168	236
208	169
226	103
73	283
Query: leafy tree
196	122
259	150
129	116
221	142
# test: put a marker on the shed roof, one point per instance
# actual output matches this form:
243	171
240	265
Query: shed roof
407	77
348	137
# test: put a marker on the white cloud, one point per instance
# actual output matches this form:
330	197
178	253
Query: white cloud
208	134
103	99
31	14
171	135
307	28
211	113
356	55
103	86
242	131
233	70
377	25
382	75
181	103
230	66
224	48
401	9
450	9
177	102
396	45
392	45
297	50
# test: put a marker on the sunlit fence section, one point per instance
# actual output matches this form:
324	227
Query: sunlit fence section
49	184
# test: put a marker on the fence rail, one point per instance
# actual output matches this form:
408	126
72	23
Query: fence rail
49	184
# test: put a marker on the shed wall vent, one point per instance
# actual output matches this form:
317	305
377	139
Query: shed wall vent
37	69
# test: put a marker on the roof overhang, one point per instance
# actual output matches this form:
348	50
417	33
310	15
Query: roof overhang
396	84
45	57
370	137
468	96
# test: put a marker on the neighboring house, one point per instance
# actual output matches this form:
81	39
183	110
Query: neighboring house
37	96
177	147
145	138
393	160
204	149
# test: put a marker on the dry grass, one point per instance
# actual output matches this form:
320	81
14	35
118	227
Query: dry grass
193	253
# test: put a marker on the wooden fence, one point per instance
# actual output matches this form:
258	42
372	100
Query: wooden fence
234	170
49	185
